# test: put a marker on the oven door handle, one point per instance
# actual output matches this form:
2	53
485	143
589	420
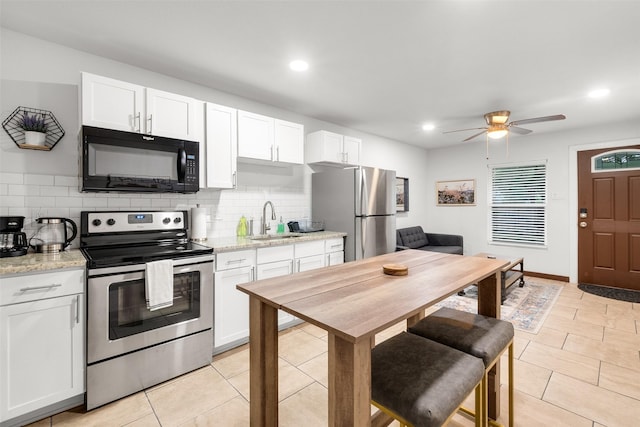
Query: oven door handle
179	262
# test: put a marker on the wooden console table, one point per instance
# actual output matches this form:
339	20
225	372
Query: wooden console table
509	272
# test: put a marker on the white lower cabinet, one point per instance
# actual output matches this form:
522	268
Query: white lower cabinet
231	307
309	255
334	250
276	261
42	334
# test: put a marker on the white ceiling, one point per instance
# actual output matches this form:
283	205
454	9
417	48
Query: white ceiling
383	67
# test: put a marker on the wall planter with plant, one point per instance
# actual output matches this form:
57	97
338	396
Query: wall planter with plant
33	128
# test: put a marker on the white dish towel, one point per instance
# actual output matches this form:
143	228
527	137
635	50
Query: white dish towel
159	284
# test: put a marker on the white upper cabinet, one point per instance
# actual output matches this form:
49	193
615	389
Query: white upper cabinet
289	142
170	115
351	150
273	140
113	104
332	149
255	136
221	144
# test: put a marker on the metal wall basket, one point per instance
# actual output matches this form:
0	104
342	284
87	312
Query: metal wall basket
12	126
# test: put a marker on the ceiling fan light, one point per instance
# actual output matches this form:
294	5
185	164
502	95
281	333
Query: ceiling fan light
497	133
497	117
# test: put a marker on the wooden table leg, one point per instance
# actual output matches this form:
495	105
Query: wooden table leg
349	382
489	305
263	363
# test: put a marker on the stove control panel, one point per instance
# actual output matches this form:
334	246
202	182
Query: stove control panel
116	222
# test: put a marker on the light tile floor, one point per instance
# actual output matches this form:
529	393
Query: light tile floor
581	369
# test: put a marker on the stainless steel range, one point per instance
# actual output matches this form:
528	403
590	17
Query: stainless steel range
130	344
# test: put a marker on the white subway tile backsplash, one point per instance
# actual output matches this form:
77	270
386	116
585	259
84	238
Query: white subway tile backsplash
13	201
19	190
118	203
33	196
54	191
140	203
11	178
41	201
69	202
66	181
89	202
160	203
38	179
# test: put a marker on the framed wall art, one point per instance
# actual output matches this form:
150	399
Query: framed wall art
456	193
402	194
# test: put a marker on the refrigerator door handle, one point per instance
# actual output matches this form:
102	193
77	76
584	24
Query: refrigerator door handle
364	193
363	237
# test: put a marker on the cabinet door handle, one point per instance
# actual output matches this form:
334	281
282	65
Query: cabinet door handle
298	266
77	308
328	260
136	118
235	179
35	288
272	153
253	275
278	153
150	120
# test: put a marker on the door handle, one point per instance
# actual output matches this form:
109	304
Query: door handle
583	224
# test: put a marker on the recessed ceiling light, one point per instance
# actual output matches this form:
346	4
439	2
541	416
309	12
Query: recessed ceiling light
428	126
599	93
299	65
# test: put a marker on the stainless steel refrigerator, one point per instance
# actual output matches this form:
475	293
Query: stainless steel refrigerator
360	202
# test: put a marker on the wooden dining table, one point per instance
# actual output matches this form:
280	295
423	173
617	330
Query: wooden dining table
353	302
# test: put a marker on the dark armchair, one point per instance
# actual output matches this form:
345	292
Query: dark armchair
416	238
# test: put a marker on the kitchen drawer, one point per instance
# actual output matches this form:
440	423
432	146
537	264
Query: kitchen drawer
334	245
275	253
304	249
35	286
236	259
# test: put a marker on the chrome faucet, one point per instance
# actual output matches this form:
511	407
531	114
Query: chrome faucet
263	225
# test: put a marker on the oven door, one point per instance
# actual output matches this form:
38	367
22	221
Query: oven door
119	321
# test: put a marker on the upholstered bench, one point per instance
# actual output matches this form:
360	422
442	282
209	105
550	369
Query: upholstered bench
480	336
421	382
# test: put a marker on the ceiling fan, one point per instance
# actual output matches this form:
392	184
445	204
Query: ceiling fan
498	125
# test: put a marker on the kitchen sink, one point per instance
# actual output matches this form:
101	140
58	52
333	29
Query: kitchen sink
275	237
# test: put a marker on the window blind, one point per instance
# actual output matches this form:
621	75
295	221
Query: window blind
518	204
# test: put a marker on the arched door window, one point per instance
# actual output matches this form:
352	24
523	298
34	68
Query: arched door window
616	160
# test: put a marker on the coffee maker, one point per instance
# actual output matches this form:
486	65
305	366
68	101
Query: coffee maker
13	241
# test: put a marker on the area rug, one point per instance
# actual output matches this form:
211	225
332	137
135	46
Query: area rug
525	307
627	295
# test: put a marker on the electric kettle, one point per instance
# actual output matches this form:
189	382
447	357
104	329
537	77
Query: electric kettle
51	235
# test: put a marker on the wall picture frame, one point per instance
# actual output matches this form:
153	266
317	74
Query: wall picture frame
402	194
456	193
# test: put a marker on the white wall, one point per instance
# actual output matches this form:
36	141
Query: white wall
469	161
29	179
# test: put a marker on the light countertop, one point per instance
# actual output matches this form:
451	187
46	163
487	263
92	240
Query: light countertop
73	258
41	262
226	244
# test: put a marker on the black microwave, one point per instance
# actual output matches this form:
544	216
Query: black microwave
114	160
